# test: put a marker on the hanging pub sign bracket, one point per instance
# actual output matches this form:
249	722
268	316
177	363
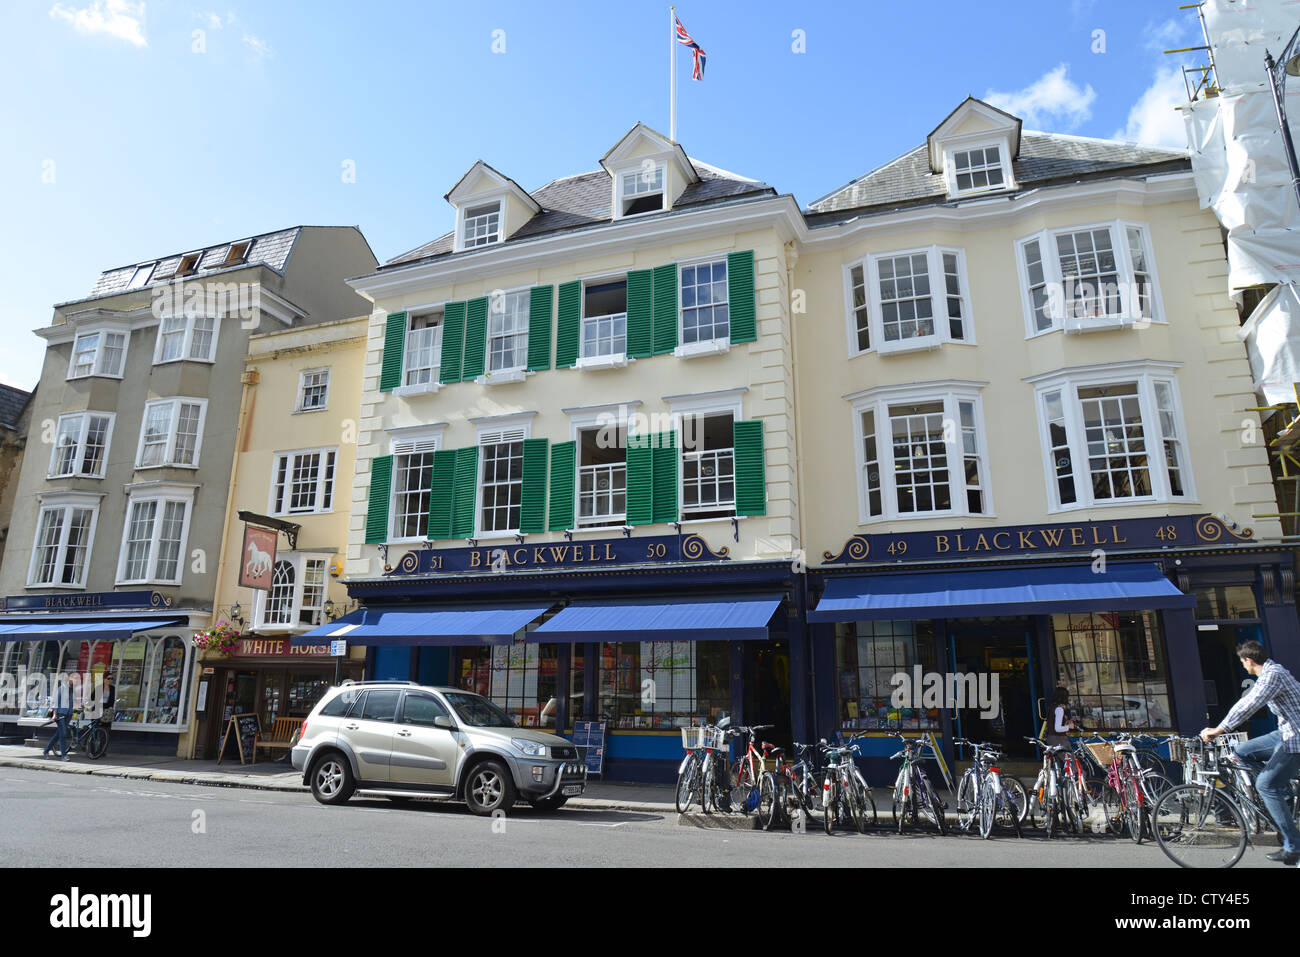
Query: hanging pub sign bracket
289	529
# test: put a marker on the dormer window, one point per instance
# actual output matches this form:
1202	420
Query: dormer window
189	264
237	253
978	169
482	225
642	190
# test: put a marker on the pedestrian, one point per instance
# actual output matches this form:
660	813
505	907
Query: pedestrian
107	699
1276	754
1060	723
61	712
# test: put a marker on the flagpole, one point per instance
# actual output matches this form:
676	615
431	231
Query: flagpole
672	74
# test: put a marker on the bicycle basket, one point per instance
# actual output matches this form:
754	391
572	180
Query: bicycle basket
716	738
1177	750
1103	752
693	737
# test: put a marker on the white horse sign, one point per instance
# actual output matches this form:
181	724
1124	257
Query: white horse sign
258	558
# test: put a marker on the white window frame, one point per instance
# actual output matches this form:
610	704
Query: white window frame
79	454
418	441
514	429
462	222
942	334
620	415
950	166
611	360
623	196
514	371
951	394
298	560
161	493
320	481
169	455
435	370
727	402
1145	374
1128	317
302	389
187	340
97	369
65	502
686	350
140	278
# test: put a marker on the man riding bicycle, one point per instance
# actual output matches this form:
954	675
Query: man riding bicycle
1277	753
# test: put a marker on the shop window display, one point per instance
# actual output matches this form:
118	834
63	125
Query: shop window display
1113	665
868	655
663	685
520	678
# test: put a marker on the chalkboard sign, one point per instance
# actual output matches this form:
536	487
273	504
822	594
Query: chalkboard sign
591	735
242	730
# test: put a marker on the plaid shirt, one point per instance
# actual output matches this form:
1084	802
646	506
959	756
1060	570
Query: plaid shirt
1277	688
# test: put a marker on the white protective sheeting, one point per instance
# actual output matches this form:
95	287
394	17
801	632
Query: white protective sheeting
1272	337
1241	30
1209	155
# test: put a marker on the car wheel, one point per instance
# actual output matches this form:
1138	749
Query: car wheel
489	788
553	803
331	779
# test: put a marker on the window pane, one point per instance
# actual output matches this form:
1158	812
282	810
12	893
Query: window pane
704	302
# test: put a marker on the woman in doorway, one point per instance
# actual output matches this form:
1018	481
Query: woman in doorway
1060	724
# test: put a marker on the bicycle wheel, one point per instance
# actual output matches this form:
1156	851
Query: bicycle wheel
709	786
1038	801
866	800
968	800
1015	793
688	783
769	812
1112	809
936	809
988	804
1010	815
96	743
830	809
1198	826
1155	785
744	790
1133	809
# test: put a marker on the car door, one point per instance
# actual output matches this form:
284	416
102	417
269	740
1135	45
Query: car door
369	730
423	754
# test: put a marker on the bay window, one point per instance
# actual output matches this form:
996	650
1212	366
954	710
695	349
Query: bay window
98	353
186	337
297	594
81	445
915	299
920	453
172	433
64	533
153	541
1113	435
1085	278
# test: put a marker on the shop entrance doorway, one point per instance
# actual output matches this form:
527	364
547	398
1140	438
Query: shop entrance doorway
767	689
238	690
1225	681
1003	651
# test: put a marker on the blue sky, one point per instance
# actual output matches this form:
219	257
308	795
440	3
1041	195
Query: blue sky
128	135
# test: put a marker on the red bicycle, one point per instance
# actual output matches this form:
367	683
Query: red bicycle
748	769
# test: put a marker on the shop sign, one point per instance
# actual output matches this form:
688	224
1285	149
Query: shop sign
602	553
277	648
89	601
1019	540
257	558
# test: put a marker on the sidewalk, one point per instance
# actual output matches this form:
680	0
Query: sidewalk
272	775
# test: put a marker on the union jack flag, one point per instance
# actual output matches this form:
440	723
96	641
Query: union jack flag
697	73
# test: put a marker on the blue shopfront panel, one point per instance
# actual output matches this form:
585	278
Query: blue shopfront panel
392	663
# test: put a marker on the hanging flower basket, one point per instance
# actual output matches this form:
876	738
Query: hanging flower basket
222	638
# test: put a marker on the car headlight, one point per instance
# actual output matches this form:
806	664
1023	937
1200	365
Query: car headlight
530	748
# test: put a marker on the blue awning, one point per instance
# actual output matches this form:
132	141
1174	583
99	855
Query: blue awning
425	625
956	593
662	619
18	629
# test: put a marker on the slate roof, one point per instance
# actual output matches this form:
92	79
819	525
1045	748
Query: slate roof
1044	158
583	200
12	403
271	249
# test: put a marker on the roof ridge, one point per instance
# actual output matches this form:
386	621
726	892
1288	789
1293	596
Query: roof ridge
870	172
723	172
191	249
1109	141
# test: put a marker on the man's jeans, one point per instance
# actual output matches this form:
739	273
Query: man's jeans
60	735
1274	781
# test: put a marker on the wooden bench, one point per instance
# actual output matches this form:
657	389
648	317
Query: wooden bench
280	733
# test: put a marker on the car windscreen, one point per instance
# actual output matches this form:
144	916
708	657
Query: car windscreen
479	712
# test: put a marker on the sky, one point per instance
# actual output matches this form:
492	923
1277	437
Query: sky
132	129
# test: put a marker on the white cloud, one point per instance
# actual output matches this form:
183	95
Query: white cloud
1154	119
214	21
258	47
1053	99
1169	35
117	18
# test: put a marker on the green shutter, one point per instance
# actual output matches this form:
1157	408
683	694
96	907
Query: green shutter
475	339
390	375
462	517
563	459
532	495
381	477
567	325
640	480
453	340
539	328
751	474
639	342
442	492
740	296
665	478
664	323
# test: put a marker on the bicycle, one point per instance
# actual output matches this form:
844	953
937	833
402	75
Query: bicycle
1055	796
984	794
744	773
90	738
846	796
1131	790
1209	821
697	740
913	793
790	793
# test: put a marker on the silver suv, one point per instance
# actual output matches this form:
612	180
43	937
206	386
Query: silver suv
403	740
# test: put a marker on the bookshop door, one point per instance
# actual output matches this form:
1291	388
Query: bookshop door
767	689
